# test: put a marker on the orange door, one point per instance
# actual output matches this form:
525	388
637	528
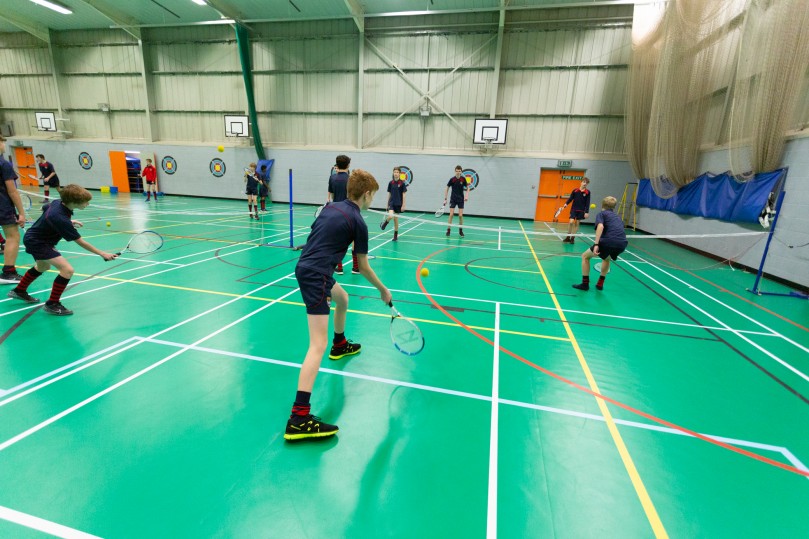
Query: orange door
120	179
554	189
24	155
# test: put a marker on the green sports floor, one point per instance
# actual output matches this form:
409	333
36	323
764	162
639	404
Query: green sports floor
158	409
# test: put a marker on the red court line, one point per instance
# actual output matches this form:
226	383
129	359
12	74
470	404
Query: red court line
598	395
721	288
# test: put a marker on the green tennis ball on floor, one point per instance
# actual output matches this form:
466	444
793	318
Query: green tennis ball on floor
109	224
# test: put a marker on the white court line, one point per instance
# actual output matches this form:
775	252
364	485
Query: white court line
737	333
491	513
129	281
42	525
9	391
139	341
569	311
25	434
790	341
474	396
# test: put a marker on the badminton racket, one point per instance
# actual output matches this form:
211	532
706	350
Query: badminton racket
440	211
404	333
143	243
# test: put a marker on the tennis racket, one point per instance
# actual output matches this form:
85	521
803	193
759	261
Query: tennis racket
440	211
143	243
404	333
556	215
597	267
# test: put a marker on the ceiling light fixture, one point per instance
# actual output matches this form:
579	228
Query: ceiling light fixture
54	6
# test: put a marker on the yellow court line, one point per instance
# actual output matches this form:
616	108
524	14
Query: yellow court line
299	304
629	464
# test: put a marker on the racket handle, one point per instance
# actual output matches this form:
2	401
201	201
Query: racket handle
118	253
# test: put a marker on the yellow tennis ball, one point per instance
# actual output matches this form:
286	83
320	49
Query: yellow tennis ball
108	223
220	148
425	272
592	206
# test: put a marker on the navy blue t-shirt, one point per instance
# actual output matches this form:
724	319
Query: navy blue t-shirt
397	189
337	186
338	225
47	169
458	186
6	173
251	178
613	234
53	225
581	200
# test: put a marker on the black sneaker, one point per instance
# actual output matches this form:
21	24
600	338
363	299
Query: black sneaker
10	277
395	236
308	426
355	271
460	231
339	270
347	349
582	286
57	309
448	231
25	296
599	287
384	224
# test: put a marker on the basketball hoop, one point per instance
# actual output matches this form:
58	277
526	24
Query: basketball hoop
487	143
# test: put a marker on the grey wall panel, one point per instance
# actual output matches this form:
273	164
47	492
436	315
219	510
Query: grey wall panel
85	92
127	125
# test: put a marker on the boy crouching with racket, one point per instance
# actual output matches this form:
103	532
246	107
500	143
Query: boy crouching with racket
54	224
610	242
337	226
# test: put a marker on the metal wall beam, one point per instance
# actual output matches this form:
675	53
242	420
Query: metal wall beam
357	14
495	88
127	24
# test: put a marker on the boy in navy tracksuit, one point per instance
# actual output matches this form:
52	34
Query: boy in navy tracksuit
580	210
339	225
609	243
12	217
397	190
55	223
251	190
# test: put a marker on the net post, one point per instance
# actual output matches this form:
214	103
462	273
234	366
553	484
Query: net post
291	211
499	235
755	289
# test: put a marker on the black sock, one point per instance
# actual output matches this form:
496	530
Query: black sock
585	279
9	269
339	338
301	407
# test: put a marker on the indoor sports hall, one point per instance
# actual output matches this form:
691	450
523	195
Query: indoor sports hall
147	395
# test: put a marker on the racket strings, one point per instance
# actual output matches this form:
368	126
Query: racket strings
145	242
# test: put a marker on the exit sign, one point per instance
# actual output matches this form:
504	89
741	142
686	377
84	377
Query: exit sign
564	164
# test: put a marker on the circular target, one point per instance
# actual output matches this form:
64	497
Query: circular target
472	178
169	165
85	161
406	175
217	167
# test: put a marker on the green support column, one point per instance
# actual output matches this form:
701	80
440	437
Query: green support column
243	41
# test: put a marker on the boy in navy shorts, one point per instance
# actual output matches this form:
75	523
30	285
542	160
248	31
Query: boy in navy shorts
460	194
49	177
580	210
609	243
12	217
397	190
338	225
338	191
54	224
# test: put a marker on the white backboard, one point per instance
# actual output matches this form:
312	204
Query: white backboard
236	126
490	130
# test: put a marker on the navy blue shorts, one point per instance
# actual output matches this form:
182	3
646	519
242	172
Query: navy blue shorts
8	213
53	182
578	215
611	251
250	191
396	208
453	202
315	289
263	191
40	251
